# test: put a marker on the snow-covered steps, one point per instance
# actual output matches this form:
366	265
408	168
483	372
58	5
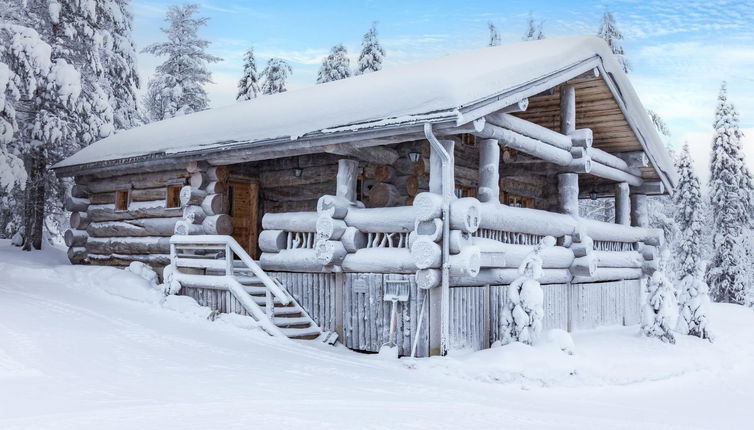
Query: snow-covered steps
241	281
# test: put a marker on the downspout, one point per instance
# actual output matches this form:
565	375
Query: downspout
448	188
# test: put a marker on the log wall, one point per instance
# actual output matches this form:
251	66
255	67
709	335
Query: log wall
103	234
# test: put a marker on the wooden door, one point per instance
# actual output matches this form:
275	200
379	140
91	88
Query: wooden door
243	198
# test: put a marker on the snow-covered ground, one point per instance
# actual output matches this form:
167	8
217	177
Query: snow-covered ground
93	347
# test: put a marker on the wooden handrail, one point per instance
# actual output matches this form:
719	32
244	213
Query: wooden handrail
233	246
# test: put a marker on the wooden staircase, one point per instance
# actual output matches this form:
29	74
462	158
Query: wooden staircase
220	263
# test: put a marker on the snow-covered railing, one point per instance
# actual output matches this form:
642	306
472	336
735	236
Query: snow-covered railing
218	253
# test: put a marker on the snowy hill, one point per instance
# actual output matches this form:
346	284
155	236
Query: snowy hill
97	347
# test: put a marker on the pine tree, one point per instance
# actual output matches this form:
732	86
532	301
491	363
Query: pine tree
248	86
660	310
372	55
659	123
121	77
178	85
275	76
610	33
533	31
59	54
689	212
731	204
523	312
494	35
335	66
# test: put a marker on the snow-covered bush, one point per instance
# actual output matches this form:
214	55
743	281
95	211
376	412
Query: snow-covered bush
523	312
18	237
660	310
693	300
145	272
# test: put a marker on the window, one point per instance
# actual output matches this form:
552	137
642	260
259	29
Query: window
121	200
173	198
518	201
468	139
462	191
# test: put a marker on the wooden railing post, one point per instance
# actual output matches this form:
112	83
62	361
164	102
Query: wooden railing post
228	260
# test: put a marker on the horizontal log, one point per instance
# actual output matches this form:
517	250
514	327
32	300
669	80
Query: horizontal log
426	254
156	261
429	230
379	260
353	239
215	187
330	228
526	144
137	181
626	259
75	238
194	214
135	227
611	160
291	260
192	196
289	206
637	159
291	221
273	240
465	263
603	274
582	138
427	206
599	230
136	210
379	172
76	204
493	276
79	220
80	191
128	245
218	173
398	219
428	278
77	255
530	129
383	195
218	224
333	206
495	216
603	171
465	214
137	195
186	228
330	252
213	204
555	257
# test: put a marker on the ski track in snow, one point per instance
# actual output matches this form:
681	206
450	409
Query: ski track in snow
78	352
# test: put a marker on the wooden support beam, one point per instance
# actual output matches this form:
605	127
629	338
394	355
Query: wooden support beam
567	109
605	190
622	204
568	189
639	210
348	173
372	154
637	159
489	170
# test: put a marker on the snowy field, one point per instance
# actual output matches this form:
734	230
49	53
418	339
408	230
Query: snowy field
97	348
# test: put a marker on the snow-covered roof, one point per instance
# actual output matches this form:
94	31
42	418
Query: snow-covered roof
446	88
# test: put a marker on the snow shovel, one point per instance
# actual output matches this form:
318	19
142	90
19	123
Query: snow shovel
395	291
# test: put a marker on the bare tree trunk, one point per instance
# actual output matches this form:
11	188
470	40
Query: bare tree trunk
34	204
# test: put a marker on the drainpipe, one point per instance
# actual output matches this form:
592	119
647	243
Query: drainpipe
448	188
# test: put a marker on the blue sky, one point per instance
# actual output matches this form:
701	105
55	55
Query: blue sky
680	50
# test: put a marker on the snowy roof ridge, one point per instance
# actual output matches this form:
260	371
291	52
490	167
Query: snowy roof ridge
430	89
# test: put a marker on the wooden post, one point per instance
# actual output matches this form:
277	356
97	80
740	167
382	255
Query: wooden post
348	173
489	171
622	204
639	211
568	189
567	109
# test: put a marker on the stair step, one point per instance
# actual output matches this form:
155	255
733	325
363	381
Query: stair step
262	300
301	332
248	280
287	310
290	321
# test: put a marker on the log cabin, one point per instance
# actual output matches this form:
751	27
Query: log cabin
392	207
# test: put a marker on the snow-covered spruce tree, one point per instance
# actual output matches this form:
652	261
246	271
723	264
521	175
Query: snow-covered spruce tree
533	31
689	210
494	39
659	123
121	78
610	33
178	85
523	311
372	55
64	102
335	66
275	76
248	86
660	310
730	193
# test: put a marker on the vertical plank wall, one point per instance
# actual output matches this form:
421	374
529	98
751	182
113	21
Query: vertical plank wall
315	292
467	328
366	319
